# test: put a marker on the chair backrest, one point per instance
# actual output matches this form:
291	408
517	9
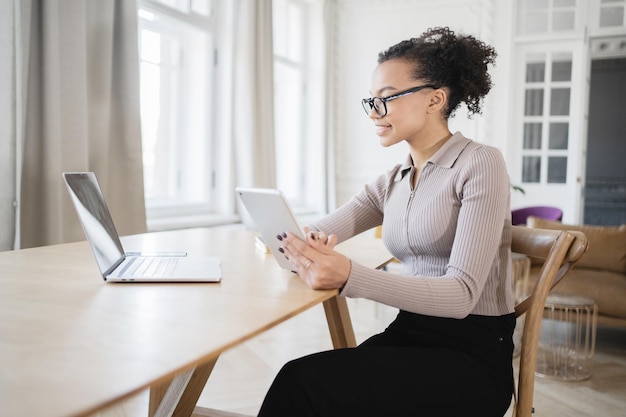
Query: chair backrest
560	251
519	216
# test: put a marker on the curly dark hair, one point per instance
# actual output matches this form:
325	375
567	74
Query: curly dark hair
458	62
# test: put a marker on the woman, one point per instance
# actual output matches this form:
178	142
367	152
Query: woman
446	216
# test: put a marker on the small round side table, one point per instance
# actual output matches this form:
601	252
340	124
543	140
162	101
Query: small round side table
568	338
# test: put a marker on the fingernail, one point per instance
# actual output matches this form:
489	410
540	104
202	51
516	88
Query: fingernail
281	250
312	235
284	234
279	237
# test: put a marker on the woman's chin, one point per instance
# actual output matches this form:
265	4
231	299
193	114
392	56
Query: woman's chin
386	142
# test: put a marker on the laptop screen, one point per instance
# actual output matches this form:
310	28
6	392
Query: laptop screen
95	219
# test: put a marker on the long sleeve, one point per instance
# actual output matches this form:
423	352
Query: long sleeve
452	233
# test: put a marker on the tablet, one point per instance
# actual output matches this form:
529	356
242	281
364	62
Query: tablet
272	215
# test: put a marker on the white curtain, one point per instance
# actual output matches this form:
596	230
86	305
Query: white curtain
80	112
253	86
7	125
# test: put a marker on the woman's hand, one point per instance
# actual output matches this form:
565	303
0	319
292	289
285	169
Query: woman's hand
316	261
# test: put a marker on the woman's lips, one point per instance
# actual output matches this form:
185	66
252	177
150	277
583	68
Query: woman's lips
382	129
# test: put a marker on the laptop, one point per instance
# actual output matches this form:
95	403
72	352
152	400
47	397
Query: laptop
272	215
115	264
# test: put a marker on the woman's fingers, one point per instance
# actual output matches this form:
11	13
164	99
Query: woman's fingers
293	249
320	240
315	260
316	244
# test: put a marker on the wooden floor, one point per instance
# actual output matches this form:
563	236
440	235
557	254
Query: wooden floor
243	375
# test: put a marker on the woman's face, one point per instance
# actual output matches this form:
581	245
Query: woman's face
406	115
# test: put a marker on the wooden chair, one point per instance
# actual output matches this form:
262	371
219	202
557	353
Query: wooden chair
560	251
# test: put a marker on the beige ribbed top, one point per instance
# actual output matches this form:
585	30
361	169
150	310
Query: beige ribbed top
452	233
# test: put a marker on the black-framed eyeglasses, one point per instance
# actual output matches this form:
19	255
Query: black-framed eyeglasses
379	104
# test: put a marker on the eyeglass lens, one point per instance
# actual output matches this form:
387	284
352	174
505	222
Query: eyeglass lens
374	103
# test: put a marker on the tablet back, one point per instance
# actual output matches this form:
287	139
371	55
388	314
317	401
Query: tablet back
272	215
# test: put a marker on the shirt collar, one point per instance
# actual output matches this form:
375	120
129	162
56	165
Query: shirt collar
447	155
444	157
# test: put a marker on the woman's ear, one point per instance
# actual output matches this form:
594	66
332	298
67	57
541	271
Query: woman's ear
438	100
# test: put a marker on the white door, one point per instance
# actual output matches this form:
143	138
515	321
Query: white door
550	125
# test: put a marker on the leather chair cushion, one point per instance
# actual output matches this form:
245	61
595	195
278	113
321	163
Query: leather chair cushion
607	244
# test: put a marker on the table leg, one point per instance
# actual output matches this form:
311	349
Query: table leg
339	323
178	397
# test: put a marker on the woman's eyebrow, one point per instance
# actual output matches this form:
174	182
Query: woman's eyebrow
386	88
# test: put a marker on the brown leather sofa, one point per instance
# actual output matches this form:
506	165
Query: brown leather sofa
600	274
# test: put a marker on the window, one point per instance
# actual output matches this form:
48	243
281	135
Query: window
611	13
546	118
289	88
179	77
547	16
176	53
298	88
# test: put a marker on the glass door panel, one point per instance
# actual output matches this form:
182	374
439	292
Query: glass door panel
547	102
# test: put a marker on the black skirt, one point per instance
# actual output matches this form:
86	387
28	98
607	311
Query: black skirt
419	366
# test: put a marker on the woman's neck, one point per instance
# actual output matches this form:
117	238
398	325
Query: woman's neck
424	149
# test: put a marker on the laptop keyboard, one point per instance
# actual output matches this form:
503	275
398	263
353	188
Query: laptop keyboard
149	266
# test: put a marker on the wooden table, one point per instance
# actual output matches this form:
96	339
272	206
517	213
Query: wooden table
71	344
